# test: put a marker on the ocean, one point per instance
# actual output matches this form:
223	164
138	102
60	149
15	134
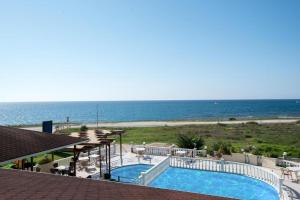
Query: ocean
126	111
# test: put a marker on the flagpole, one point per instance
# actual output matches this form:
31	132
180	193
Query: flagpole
97	116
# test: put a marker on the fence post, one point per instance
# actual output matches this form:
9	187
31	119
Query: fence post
131	147
222	164
280	186
172	149
114	148
143	181
169	158
194	153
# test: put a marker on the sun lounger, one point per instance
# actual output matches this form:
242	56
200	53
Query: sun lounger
286	172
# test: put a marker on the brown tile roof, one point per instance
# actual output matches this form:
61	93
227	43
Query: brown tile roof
17	184
16	143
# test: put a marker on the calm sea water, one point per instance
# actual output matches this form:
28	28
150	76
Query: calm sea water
114	111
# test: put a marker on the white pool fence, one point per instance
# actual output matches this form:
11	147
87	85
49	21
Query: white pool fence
164	151
287	163
252	171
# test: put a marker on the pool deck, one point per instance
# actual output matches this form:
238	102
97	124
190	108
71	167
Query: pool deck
292	188
128	159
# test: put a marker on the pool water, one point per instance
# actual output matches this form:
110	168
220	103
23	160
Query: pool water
215	183
129	173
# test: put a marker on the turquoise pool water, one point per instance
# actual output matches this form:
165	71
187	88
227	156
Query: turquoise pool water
215	183
129	173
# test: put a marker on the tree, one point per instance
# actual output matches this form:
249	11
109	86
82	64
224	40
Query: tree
189	141
83	128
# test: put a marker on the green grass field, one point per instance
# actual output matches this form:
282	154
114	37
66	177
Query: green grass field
38	159
269	139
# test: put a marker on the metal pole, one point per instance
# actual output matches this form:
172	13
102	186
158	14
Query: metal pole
121	149
68	119
97	116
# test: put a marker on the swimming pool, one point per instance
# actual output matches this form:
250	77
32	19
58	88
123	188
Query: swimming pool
214	183
129	173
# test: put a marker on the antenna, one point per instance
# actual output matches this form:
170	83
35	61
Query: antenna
97	115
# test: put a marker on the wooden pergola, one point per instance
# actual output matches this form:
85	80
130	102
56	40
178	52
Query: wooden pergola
88	146
103	134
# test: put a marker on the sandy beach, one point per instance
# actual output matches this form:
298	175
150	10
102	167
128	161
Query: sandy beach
184	123
171	123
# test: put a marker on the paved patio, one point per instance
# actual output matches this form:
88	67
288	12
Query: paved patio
128	159
292	188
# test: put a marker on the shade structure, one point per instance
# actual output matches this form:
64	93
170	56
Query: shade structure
17	144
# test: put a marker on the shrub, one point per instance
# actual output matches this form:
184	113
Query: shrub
189	141
249	148
248	136
259	141
257	152
233	150
232	119
45	160
274	154
252	123
222	147
83	128
221	124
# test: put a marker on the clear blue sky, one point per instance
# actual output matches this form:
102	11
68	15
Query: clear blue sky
137	50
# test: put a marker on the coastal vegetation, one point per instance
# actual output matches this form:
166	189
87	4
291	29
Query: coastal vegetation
221	147
261	139
83	128
189	141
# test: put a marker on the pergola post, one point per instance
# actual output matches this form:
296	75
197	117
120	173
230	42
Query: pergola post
31	164
100	162
52	156
109	158
106	155
121	150
74	160
23	164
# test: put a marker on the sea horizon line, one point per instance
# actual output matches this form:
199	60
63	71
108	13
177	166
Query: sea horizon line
153	100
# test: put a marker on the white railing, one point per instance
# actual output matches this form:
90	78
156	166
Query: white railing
188	152
152	150
288	163
229	167
202	153
163	151
146	177
158	151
